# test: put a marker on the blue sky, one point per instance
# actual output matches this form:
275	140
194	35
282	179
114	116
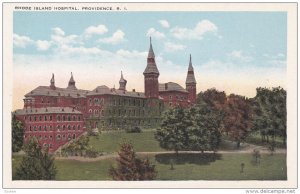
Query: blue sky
232	51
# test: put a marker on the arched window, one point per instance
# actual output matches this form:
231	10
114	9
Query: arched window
74	127
69	137
96	101
91	102
45	128
69	118
90	111
45	118
40	118
30	128
74	136
58	137
58	118
45	137
40	128
34	128
50	117
74	118
50	127
30	118
64	127
78	118
34	118
50	137
64	117
58	127
69	127
78	127
64	137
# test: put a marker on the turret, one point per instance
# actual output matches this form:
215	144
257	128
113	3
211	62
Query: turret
151	75
122	83
52	82
191	83
71	84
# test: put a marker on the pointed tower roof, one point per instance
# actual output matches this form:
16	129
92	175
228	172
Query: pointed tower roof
122	78
151	64
52	82
190	78
71	79
71	84
52	79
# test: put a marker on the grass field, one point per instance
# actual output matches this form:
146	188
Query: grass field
187	167
109	142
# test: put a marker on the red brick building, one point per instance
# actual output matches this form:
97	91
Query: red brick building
55	115
51	126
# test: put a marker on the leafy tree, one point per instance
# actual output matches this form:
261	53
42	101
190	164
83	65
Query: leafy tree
173	134
238	117
17	134
212	98
37	164
204	132
270	113
131	168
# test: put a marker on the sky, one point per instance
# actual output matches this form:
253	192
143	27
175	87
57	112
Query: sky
235	52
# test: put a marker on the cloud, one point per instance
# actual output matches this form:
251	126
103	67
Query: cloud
43	45
21	41
202	28
116	38
155	34
99	30
170	47
164	23
58	31
238	55
58	38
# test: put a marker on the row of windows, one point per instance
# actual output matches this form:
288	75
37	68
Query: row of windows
96	101
128	102
50	137
49	128
97	112
126	112
49	118
178	97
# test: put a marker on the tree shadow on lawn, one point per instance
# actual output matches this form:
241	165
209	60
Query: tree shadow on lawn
188	158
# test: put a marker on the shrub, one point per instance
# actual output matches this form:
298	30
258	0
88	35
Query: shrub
134	129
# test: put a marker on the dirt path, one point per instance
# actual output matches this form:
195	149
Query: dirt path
245	148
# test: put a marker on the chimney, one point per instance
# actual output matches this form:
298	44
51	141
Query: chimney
133	90
166	86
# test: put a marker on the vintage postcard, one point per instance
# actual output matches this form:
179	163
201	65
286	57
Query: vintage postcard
150	95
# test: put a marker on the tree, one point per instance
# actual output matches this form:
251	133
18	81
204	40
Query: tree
204	132
130	167
270	113
37	164
17	134
212	98
173	134
237	118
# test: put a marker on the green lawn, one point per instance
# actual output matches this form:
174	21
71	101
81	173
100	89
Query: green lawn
187	167
109	142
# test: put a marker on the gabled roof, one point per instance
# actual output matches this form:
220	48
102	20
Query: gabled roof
48	110
47	91
170	86
104	90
